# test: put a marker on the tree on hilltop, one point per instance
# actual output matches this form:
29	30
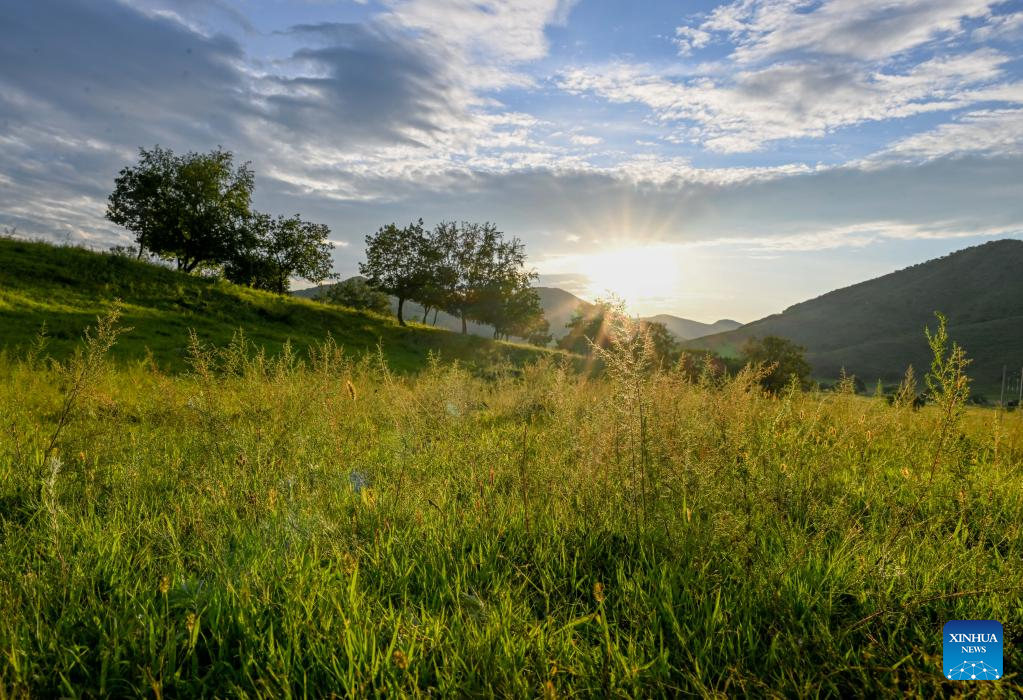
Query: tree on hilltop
400	262
191	209
356	293
272	250
195	209
480	274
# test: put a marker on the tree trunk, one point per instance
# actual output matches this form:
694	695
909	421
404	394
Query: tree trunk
465	329
401	305
426	312
435	312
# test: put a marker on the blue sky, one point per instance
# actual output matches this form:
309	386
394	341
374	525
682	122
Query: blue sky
704	159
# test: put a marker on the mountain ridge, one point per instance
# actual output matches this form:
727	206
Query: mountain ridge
875	328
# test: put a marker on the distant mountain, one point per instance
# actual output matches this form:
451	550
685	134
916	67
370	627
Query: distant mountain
684	329
558	306
876	328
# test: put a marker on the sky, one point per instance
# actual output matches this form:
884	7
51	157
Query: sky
705	159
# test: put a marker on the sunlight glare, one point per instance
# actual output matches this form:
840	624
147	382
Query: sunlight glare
640	275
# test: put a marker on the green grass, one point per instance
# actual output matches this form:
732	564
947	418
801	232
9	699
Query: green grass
66	288
269	527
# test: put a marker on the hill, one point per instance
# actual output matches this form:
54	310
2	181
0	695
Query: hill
558	306
685	329
874	329
65	288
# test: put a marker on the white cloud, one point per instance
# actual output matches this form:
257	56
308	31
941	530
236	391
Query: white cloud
788	100
1008	26
860	29
690	38
489	36
998	131
805	68
585	140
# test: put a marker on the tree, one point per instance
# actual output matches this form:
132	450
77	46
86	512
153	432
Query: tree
191	209
782	357
665	346
478	272
399	261
588	327
513	311
355	293
591	327
273	250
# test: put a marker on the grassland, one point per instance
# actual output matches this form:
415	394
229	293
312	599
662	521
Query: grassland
66	288
317	524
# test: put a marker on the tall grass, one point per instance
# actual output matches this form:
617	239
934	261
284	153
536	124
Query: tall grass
313	525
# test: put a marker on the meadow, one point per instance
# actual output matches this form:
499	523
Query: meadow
313	523
64	288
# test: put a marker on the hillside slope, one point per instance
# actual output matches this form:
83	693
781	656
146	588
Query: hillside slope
65	288
876	328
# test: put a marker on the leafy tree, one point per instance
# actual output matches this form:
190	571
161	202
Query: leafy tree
191	209
784	359
591	327
513	310
588	327
694	364
509	302
665	346
477	272
536	331
399	261
356	293
272	250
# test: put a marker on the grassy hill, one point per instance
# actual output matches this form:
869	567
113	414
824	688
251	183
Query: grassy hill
875	329
66	288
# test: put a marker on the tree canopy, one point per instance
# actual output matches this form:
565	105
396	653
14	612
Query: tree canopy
191	209
195	210
275	249
399	261
467	269
591	328
356	293
781	357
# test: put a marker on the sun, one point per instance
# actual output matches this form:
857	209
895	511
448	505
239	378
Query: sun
639	274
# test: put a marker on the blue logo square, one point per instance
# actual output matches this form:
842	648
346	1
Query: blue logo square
972	650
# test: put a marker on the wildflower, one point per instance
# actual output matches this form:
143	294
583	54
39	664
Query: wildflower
598	592
164	585
190	622
351	389
549	692
399	659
